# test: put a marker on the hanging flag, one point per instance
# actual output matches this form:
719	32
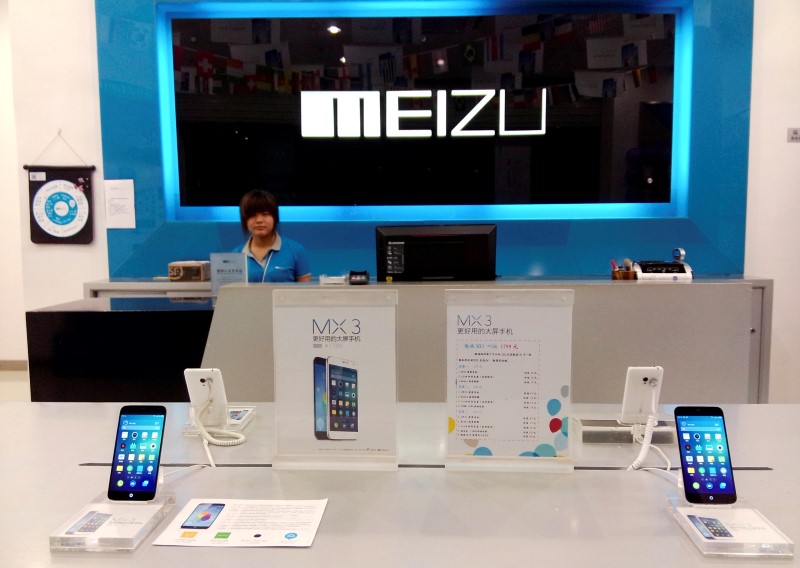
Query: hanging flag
494	47
410	67
472	53
531	37
387	65
563	30
204	62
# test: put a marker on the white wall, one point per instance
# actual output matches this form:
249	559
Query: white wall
54	82
53	78
773	197
12	318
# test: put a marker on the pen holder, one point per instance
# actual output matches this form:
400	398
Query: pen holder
620	274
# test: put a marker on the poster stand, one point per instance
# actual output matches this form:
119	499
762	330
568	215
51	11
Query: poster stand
509	355
335	379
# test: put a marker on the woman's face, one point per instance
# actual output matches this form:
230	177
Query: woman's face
261	224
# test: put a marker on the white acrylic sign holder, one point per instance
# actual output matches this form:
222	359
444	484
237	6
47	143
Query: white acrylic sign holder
509	356
731	530
351	334
112	526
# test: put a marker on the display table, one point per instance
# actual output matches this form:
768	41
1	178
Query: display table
420	515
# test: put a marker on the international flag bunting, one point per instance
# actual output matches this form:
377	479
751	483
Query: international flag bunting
309	81
472	53
637	77
564	30
204	60
494	47
410	67
601	24
425	64
531	37
177	57
387	66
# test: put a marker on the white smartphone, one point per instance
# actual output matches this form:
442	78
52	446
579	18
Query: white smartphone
642	391
206	385
343	406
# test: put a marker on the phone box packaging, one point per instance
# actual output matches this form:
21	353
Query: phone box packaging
189	270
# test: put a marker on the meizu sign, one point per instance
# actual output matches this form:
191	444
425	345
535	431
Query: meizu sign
338	114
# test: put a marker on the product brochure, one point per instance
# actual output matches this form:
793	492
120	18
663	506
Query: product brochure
244	523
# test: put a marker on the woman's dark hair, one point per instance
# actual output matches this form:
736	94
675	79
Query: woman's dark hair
255	202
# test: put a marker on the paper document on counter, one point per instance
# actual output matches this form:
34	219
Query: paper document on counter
244	523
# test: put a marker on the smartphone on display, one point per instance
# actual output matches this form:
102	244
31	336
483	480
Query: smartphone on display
705	456
343	406
203	516
320	398
137	453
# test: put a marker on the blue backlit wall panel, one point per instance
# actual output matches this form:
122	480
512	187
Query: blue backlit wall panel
711	130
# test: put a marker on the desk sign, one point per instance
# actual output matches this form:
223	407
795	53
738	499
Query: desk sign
227	268
509	355
335	379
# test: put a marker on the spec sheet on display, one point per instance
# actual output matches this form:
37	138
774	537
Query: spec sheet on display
508	370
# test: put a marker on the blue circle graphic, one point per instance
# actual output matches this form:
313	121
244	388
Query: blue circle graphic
61	208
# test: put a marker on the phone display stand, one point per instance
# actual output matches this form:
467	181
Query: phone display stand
111	526
608	431
238	418
731	530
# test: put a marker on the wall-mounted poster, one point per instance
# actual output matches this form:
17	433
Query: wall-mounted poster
61	204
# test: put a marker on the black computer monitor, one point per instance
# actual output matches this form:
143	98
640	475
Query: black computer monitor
436	252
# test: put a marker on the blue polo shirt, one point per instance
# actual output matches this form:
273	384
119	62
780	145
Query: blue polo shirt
285	261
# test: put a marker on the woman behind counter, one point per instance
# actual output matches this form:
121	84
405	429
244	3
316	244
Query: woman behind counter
270	257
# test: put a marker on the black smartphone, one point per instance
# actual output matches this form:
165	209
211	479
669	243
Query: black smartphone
705	456
137	453
320	398
203	516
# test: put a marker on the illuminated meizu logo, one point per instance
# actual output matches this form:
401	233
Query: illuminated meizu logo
326	114
332	327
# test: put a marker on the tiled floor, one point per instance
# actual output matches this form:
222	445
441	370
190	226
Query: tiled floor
14	385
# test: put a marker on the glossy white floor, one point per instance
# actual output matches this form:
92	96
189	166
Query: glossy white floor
14	385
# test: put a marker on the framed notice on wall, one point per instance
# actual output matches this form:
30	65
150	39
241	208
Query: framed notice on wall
61	204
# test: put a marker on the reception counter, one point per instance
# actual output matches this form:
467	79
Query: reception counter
115	349
709	335
712	336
